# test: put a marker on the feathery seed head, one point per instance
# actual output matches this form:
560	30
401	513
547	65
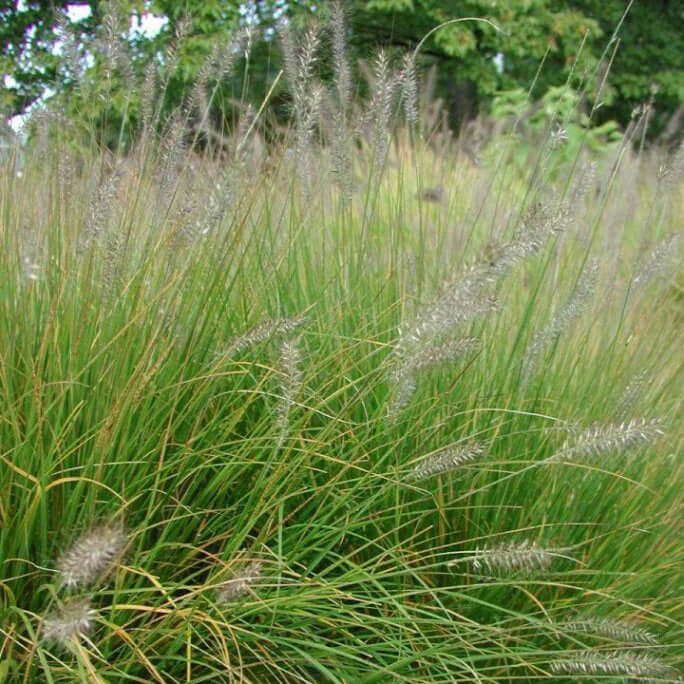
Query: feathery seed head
445	460
469	297
289	363
601	439
631	395
462	301
538	226
73	620
576	306
100	207
240	585
340	62
91	555
278	327
659	261
672	170
619	630
289	53
417	359
616	663
380	111
524	556
409	89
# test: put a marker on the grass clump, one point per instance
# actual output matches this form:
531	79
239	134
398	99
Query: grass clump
156	369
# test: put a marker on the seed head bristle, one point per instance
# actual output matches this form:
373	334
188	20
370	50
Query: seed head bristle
420	359
70	47
524	556
537	227
173	148
264	331
287	45
289	363
576	306
620	630
343	82
659	261
468	297
91	555
601	439
445	460
73	620
631	395
462	301
637	665
341	157
409	89
672	170
241	583
100	208
149	90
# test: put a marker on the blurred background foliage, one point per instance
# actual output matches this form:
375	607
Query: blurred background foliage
100	66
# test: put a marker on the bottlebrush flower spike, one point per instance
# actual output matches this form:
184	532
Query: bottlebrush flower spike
238	586
601	439
620	630
636	665
446	459
74	620
91	555
523	556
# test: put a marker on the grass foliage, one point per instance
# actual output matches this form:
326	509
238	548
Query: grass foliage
347	408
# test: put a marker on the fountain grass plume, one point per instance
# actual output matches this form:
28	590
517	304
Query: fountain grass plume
601	439
641	666
289	364
445	460
404	375
272	328
72	621
619	630
578	303
92	555
525	556
242	582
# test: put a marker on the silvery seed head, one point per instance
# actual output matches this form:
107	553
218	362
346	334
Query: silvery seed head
264	331
91	555
289	364
601	439
523	556
446	460
74	619
240	585
639	667
619	630
418	359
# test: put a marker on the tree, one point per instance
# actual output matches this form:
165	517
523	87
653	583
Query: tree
649	61
476	59
470	54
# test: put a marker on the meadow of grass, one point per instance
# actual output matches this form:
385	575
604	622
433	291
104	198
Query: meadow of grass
365	411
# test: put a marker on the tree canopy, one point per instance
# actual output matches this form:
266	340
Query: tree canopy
539	43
